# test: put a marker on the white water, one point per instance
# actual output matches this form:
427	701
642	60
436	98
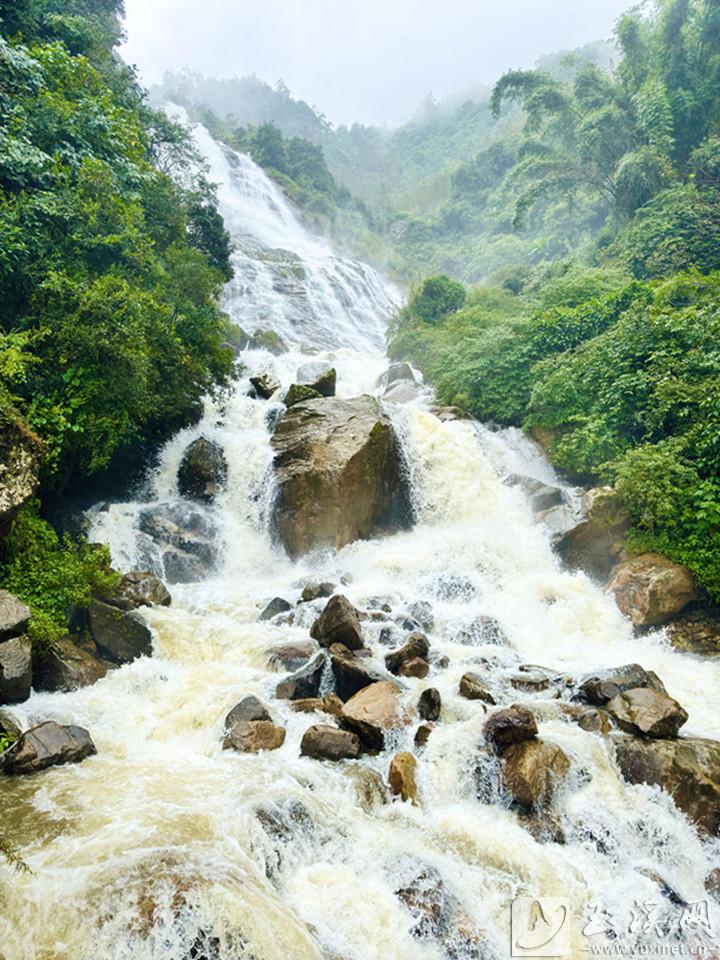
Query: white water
136	850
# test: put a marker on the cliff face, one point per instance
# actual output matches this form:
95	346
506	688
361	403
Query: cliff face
20	458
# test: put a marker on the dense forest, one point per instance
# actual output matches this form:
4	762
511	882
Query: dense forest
611	356
112	257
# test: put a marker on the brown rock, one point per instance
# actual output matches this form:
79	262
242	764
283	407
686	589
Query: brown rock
509	726
651	589
532	771
249	708
314	591
430	704
14	615
339	472
688	769
587	718
473	687
21	453
203	470
596	543
338	623
712	883
427	899
374	710
601	687
15	669
530	682
696	631
647	713
416	647
47	745
331	704
352	675
292	656
140	588
422	734
66	667
252	736
401	777
414	667
323	742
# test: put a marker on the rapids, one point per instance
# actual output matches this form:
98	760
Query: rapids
153	850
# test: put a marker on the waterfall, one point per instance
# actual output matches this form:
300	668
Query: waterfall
154	850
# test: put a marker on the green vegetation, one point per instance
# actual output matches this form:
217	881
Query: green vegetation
612	354
112	256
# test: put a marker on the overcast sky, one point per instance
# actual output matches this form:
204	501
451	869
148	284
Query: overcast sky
360	60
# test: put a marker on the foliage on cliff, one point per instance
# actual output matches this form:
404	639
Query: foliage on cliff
112	253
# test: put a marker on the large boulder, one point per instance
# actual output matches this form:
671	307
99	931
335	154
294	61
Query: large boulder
373	711
14	616
298	393
66	667
506	727
352	675
20	457
339	472
323	742
202	471
602	686
415	647
397	373
595	544
140	588
249	708
687	769
532	771
15	669
696	631
651	589
473	687
181	539
252	736
647	713
48	745
120	635
320	375
338	623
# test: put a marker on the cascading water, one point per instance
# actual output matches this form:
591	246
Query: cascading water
164	845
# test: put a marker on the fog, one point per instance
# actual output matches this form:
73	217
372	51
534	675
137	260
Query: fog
370	62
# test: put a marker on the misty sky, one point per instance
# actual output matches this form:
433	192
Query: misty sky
370	61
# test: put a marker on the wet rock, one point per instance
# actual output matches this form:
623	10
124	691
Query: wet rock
21	454
352	675
323	742
120	635
303	683
596	543
712	883
252	736
453	587
532	771
10	726
298	393
276	606
541	496
416	647
397	372
402	777
587	718
688	769
647	713
530	682
15	669
140	588
203	470
184	538
292	656
338	623
182	567
47	745
14	616
414	667
370	788
331	704
66	667
265	384
422	734
427	900
600	687
373	711
340	474
651	589
320	375
509	726
315	591
450	414
477	632
404	392
265	339
696	631
473	687
544	826
249	708
429	704
422	612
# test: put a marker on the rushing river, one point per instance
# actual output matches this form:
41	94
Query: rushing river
153	849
